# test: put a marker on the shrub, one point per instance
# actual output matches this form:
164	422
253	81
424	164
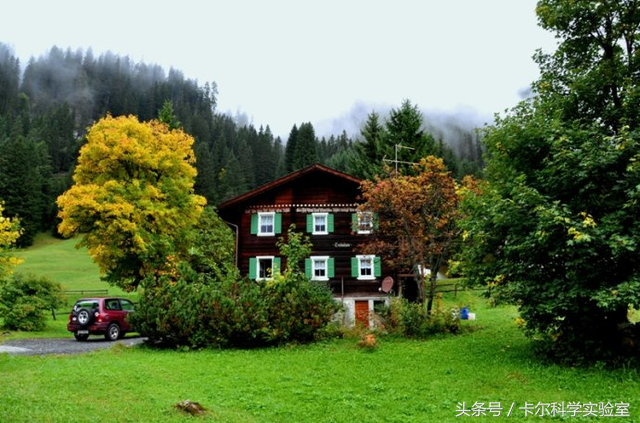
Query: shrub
196	312
368	342
25	299
414	321
207	303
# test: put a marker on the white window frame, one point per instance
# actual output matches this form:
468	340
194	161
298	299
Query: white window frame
319	259
361	259
260	258
326	224
362	225
273	223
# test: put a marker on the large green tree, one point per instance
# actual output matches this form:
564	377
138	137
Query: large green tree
406	136
556	230
133	199
370	150
400	143
306	152
290	150
24	183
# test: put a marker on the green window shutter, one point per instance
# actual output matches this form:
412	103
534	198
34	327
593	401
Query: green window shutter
277	265
354	222
253	263
309	223
375	221
331	268
355	271
377	267
277	224
330	223
254	224
307	268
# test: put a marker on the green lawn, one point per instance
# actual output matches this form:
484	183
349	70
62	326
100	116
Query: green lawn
333	381
62	262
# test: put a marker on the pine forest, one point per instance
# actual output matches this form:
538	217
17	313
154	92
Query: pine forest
47	104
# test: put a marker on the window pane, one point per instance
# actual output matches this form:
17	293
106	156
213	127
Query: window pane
126	305
319	268
366	267
264	268
320	224
266	223
365	221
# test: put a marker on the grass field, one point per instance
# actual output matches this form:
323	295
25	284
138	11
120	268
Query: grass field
332	381
62	262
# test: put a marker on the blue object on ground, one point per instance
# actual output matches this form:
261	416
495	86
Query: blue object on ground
464	313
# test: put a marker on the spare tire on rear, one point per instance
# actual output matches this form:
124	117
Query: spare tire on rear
85	317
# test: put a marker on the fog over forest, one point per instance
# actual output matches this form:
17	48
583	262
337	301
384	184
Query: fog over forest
47	104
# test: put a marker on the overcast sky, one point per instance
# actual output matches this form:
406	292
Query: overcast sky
327	62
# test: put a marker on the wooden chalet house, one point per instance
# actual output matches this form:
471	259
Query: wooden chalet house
321	202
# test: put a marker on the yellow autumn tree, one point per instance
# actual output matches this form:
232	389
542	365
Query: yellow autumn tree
133	198
9	234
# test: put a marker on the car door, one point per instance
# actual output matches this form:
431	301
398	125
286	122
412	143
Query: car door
114	312
127	307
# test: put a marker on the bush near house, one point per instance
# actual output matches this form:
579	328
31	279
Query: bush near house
413	320
198	312
208	304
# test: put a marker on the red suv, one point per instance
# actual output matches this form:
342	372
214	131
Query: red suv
100	316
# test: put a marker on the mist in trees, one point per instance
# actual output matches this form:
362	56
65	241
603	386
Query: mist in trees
47	104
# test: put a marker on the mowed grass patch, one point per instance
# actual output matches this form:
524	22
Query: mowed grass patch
333	381
61	261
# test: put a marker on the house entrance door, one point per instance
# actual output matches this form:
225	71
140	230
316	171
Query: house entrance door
362	313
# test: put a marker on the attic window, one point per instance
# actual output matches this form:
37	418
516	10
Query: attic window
319	223
266	223
365	222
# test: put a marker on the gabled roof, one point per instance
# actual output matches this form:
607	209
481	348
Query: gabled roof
316	167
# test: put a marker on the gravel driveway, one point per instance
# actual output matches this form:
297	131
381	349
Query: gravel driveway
62	345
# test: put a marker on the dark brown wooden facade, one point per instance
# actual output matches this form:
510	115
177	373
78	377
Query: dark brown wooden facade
308	198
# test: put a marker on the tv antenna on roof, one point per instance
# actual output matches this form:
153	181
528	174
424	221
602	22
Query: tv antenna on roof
396	161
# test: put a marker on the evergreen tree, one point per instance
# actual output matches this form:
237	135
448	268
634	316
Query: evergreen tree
278	151
9	80
306	152
264	157
206	178
166	115
290	150
406	137
370	150
56	128
23	187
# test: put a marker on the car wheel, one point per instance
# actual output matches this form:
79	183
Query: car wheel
80	337
84	317
113	332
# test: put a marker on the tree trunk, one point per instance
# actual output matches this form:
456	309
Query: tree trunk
432	290
420	282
